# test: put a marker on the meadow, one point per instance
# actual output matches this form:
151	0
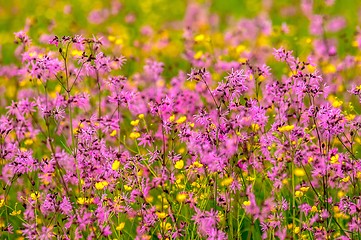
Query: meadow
197	119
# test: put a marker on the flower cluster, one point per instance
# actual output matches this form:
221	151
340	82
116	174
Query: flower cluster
186	132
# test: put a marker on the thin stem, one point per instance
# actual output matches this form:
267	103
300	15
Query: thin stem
99	102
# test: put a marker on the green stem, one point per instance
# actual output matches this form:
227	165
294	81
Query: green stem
293	198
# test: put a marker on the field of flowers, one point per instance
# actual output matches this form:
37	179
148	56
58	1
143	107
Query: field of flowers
185	119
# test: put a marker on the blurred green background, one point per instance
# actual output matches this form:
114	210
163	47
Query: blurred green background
72	17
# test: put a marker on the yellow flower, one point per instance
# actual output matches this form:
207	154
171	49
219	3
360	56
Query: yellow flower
249	178
221	217
134	123
195	184
111	38
355	43
299	194
319	228
115	165
15	212
181	197
11	90
198	55
197	164
165	226
76	130
334	159
336	209
149	199
2	202
311	68
335	102
262	40
286	128
345	179
28	142
127	188
240	48
227	181
82	200
296	230
113	133
35	195
181	150
140	172
76	53
179	164
350	117
134	135
261	78
171	118
101	185
255	127
190	85
242	60
141	116
179	178
181	120
247	203
120	226
299	172
304	189
199	38
314	209
33	54
119	41
161	215
330	68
